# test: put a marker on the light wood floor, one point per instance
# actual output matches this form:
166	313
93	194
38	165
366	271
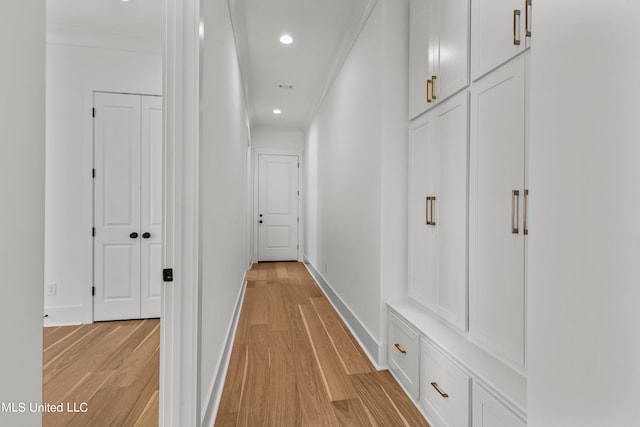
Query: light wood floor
294	362
112	366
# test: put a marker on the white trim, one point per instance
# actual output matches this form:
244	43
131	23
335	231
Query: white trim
179	343
63	316
374	349
214	394
257	151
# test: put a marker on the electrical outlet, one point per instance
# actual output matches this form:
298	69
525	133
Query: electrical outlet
51	290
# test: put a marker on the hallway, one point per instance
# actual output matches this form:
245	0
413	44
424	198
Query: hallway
294	363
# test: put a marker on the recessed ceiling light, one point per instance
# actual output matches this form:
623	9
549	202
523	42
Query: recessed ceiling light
286	39
277	111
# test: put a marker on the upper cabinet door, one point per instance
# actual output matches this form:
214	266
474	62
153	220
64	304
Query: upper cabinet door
451	69
498	33
439	52
421	53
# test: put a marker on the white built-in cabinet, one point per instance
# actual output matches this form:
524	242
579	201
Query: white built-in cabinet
497	212
439	46
438	210
468	222
500	30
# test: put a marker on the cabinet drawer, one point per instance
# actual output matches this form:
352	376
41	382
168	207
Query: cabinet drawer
490	412
444	389
404	354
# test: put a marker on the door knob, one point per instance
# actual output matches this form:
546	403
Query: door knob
133	235
260	215
260	221
146	235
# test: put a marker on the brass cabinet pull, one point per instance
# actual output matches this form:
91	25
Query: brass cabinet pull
439	390
428	91
525	230
400	349
433	87
526	19
430	200
514	207
516	17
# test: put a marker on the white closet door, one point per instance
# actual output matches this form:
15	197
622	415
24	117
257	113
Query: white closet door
496	250
151	207
278	208
117	212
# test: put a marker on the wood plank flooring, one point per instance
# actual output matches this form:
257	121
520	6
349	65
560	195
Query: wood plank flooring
294	362
112	366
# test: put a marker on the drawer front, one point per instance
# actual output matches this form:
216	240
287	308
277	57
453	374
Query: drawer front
404	353
490	412
444	388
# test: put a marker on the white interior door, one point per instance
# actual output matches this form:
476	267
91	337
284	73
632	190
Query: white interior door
128	211
151	207
278	207
117	206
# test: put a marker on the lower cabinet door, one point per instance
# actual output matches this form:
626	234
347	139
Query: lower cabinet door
404	354
444	389
490	412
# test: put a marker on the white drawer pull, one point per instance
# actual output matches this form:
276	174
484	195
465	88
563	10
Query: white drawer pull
400	349
439	390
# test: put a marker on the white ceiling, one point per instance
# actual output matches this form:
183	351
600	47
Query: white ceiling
323	32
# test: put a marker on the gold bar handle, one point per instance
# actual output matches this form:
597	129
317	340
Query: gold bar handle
516	17
514	207
526	19
430	200
433	87
439	390
400	349
428	91
525	230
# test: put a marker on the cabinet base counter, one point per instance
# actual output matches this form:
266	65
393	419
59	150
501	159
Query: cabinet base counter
460	358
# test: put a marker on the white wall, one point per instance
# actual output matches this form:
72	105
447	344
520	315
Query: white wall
356	158
584	239
22	164
73	73
277	138
223	194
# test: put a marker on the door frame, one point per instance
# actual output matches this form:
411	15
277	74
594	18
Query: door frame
179	397
257	151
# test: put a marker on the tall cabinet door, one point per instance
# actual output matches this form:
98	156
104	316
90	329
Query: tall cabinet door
423	237
151	207
438	211
496	238
117	207
451	211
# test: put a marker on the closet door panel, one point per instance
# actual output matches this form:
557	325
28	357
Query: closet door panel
451	208
496	281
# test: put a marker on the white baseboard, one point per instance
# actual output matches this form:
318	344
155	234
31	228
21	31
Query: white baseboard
63	316
215	390
375	351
